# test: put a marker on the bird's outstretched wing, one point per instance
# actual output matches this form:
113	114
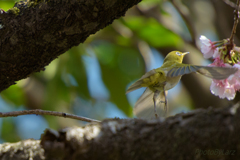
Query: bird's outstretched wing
208	71
144	107
138	83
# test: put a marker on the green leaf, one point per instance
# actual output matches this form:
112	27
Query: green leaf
15	95
5	5
75	66
119	66
153	32
8	130
70	78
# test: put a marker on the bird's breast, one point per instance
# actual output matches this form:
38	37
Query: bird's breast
172	82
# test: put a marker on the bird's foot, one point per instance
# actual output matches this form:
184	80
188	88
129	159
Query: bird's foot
163	102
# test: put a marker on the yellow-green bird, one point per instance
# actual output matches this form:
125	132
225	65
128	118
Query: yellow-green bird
159	80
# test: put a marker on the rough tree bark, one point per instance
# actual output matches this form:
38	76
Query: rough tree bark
202	134
37	31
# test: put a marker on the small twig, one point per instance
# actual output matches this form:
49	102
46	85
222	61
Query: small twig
228	2
42	112
236	17
179	7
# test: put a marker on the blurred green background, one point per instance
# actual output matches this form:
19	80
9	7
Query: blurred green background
91	79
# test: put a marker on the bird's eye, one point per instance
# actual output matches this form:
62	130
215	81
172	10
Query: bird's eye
177	53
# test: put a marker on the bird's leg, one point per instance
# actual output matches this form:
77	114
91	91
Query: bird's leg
156	94
165	107
165	103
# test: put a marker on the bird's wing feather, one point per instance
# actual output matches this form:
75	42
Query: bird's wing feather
217	72
144	107
208	71
182	69
138	83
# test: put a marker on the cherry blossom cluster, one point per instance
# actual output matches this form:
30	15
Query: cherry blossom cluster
2	11
224	55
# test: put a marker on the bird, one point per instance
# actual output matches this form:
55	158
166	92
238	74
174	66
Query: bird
159	81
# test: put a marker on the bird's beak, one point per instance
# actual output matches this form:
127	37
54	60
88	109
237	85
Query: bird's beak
185	53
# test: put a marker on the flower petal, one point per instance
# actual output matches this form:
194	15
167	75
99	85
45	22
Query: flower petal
207	47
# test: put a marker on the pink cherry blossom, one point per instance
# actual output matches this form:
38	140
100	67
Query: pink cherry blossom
237	49
235	79
237	76
223	89
219	63
207	48
216	53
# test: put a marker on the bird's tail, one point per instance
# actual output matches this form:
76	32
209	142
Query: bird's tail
144	107
134	86
139	82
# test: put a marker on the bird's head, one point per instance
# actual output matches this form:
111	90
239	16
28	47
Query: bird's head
175	56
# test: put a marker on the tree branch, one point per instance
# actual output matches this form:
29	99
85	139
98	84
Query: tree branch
36	32
42	112
201	134
228	2
236	17
185	16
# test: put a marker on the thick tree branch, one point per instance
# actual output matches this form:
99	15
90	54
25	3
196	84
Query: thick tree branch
201	134
36	32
